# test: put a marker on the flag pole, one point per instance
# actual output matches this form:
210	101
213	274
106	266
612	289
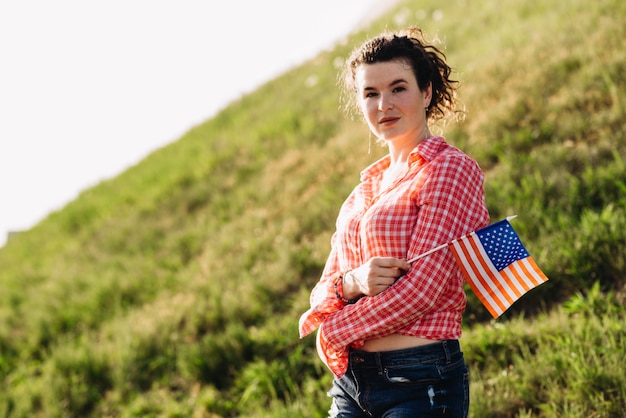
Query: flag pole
427	253
442	246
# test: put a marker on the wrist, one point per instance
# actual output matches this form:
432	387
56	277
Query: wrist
350	288
340	290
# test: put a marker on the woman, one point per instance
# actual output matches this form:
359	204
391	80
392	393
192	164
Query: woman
389	330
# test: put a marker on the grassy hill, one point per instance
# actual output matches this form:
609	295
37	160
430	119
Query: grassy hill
174	289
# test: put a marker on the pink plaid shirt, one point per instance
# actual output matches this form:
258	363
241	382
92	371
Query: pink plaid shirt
440	198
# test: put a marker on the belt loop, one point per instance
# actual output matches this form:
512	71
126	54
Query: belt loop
379	363
446	350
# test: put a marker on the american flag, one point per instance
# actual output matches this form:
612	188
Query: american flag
496	265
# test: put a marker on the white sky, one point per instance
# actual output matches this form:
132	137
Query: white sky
88	88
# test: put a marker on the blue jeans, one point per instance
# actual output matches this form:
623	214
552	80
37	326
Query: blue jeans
426	381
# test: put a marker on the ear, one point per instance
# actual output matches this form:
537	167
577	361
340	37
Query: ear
428	95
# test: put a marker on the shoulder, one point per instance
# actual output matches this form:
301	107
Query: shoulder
437	148
451	158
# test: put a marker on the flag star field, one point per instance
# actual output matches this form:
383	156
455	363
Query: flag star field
502	245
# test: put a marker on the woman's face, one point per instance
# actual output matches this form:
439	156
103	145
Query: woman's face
391	101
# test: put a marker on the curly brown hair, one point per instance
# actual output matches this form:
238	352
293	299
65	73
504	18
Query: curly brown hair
427	61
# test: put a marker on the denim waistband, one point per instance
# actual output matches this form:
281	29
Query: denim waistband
439	351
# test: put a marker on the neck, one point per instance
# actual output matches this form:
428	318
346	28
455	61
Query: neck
399	151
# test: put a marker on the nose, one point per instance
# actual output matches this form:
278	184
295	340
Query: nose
384	102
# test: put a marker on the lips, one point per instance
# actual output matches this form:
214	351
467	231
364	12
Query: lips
387	120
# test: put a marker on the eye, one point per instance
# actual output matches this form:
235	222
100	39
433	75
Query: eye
369	94
399	89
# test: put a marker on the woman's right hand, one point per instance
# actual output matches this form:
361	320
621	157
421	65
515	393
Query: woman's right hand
373	277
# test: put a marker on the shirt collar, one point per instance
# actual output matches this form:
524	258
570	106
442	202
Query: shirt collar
427	150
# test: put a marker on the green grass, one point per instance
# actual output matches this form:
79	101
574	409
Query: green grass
174	289
568	363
